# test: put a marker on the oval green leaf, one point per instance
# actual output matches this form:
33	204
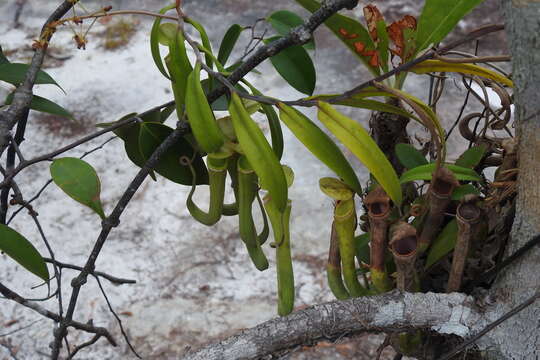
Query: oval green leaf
409	156
23	252
424	172
471	157
295	66
152	135
358	141
78	180
227	43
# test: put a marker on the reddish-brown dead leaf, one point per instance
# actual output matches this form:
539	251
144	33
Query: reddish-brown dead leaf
372	15
395	33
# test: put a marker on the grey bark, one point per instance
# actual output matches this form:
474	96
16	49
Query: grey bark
394	312
519	337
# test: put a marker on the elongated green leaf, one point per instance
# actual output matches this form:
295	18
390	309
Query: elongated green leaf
3	58
43	105
384	41
204	39
179	67
409	156
351	32
429	66
284	21
154	41
319	144
471	157
296	67
15	73
438	18
259	153
358	141
227	43
23	252
200	115
425	172
443	244
276	134
151	135
79	180
463	190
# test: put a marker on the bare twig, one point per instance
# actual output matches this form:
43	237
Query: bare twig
13	296
113	279
124	334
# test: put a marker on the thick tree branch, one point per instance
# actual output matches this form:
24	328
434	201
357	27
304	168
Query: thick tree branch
392	312
23	95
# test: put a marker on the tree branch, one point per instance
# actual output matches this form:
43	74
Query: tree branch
391	312
11	295
23	95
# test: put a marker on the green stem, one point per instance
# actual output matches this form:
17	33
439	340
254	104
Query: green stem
217	173
247	190
345	221
284	269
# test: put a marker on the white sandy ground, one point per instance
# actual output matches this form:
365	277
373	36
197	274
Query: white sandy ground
194	283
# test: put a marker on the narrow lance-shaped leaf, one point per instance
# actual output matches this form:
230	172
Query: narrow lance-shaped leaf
438	18
319	144
15	73
200	115
227	43
259	153
41	104
22	251
358	141
79	180
296	67
429	66
276	134
204	38
180	67
154	41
